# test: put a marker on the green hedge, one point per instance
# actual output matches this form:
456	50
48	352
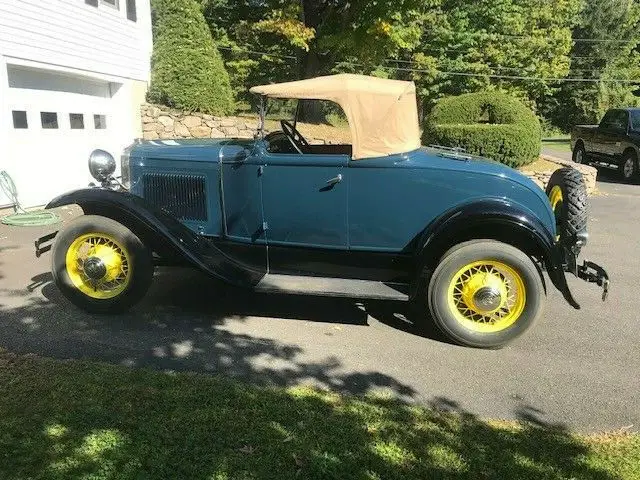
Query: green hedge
491	124
187	71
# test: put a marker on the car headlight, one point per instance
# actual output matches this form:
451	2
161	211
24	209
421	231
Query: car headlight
101	165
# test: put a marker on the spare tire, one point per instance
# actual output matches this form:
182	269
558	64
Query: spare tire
567	193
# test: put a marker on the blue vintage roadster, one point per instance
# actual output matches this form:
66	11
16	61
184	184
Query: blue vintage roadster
465	239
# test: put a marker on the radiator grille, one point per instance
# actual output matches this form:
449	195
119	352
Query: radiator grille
183	196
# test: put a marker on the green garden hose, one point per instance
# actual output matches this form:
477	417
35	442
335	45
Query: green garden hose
22	218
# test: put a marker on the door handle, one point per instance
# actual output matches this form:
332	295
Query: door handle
335	180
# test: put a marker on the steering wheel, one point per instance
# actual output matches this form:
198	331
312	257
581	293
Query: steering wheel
294	136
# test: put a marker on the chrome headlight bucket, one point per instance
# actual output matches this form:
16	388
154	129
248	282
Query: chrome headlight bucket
101	165
125	168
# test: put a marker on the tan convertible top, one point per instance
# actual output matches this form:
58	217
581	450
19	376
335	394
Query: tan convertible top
382	114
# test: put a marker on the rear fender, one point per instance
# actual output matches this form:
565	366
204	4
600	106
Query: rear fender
495	219
161	232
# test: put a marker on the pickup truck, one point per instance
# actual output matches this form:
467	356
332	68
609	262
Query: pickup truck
615	143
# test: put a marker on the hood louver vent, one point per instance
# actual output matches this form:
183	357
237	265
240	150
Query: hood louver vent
183	196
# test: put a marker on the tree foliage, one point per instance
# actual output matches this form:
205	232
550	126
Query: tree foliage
526	48
490	124
479	42
616	24
186	69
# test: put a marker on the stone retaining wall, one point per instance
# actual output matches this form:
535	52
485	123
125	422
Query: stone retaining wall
159	122
542	178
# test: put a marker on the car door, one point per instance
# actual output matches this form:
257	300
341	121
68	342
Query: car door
241	193
304	199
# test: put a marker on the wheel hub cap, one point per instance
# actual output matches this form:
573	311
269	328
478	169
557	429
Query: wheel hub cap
484	292
95	268
628	168
487	299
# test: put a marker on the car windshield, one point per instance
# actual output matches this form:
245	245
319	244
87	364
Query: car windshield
322	125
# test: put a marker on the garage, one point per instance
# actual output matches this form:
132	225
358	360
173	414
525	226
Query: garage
55	120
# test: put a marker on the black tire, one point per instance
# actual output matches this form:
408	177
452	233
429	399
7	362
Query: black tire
628	167
140	264
446	318
580	154
571	211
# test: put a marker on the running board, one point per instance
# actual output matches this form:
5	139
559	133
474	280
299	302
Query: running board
332	287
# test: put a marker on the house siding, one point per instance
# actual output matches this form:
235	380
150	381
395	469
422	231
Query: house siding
67	57
70	33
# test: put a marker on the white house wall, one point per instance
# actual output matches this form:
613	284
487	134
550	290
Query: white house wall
66	56
72	33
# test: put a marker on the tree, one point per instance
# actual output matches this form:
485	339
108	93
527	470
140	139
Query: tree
186	68
615	24
277	40
506	45
261	41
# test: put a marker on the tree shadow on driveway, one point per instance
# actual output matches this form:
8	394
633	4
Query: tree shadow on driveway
183	325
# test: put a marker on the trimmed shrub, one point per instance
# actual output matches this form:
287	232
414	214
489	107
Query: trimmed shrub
187	71
490	124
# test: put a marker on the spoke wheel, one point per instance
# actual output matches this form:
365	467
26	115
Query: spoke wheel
98	265
485	293
628	168
487	296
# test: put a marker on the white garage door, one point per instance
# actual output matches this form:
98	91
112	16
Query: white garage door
55	121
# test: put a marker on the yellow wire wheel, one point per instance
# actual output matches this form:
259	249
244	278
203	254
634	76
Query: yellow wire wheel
98	265
487	296
485	293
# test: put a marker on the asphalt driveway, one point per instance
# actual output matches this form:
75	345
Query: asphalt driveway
577	368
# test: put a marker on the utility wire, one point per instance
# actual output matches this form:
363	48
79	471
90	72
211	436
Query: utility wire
577	40
494	67
453	73
254	52
518	77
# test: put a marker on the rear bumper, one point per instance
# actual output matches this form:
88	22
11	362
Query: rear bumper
565	260
594	273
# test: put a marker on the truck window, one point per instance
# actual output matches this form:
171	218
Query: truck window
635	120
616	120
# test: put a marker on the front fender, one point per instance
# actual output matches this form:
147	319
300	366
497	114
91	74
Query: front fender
160	231
497	219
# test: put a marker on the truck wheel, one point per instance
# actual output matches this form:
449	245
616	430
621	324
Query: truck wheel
568	197
580	154
485	293
628	167
100	265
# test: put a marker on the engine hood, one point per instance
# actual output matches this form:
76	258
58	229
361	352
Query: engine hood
192	149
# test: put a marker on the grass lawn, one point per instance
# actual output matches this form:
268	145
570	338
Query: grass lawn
560	146
540	165
73	419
